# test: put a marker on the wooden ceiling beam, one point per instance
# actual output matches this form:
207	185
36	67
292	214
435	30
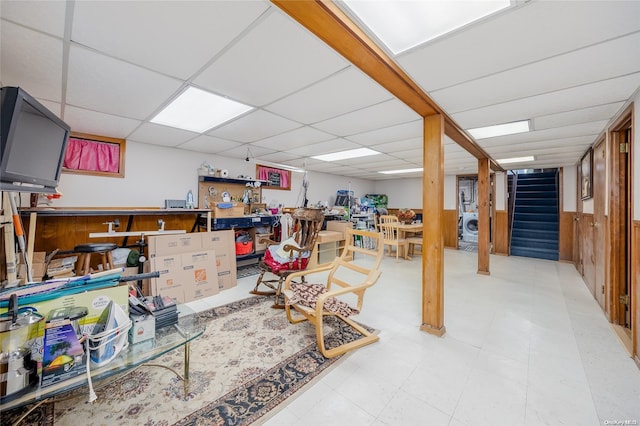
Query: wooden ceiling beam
329	23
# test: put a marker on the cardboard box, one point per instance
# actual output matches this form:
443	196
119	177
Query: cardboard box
172	278
162	245
223	242
186	277
202	272
142	328
236	211
258	245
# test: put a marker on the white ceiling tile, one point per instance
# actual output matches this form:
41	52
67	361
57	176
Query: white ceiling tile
54	107
604	92
569	70
578	116
156	134
107	85
210	145
411	129
326	147
97	123
400	145
44	16
256	152
555	133
345	91
276	58
254	126
188	34
32	61
377	116
279	157
523	35
302	136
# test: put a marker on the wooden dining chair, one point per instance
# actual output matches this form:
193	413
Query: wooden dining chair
391	238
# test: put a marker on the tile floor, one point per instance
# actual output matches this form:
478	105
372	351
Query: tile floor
527	345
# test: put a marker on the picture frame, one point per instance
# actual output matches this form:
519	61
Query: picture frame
276	178
586	175
94	155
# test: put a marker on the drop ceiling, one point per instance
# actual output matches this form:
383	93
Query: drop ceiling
108	67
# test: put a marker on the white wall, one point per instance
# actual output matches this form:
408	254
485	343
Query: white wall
500	191
155	173
570	189
407	193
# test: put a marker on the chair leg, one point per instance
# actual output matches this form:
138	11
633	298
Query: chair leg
279	297
260	292
366	339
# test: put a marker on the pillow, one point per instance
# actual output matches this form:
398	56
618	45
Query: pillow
283	253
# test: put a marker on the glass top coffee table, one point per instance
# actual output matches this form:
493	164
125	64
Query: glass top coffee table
167	339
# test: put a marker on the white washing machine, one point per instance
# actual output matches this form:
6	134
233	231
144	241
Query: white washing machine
470	227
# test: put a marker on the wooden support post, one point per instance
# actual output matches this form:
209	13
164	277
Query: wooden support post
483	216
432	226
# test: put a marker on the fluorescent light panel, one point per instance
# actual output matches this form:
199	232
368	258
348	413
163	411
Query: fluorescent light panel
500	129
345	155
516	160
401	25
395	172
198	111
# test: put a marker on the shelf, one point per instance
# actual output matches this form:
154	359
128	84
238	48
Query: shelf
231	180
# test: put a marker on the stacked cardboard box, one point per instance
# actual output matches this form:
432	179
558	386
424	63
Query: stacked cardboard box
38	267
192	266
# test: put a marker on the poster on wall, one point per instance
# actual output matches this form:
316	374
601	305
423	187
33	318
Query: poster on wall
586	178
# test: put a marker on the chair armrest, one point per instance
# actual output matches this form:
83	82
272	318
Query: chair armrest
268	241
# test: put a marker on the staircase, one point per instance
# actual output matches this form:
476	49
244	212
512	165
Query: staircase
534	231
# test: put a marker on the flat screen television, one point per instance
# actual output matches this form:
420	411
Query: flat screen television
33	143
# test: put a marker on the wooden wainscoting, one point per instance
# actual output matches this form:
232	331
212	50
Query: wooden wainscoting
565	236
450	228
635	289
501	233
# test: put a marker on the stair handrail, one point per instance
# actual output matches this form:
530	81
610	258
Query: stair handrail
512	204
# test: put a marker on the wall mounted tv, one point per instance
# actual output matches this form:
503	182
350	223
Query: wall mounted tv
33	142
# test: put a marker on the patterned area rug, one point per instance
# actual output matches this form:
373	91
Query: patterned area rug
249	361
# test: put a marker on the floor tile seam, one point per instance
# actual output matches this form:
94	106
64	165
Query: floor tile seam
580	351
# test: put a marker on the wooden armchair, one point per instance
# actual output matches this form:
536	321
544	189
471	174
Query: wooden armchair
292	255
347	280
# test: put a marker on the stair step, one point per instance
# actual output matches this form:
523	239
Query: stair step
541	234
551	201
537	253
536	217
543	226
535	194
536	175
534	243
548	209
537	187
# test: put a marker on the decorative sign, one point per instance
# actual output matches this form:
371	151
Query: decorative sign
277	178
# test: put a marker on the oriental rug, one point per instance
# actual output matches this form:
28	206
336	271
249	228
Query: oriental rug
246	364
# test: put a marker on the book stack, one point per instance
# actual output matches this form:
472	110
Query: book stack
164	309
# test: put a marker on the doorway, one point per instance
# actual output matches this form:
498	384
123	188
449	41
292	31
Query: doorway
468	213
621	291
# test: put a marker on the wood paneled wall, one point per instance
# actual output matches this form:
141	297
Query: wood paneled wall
450	229
65	232
501	233
565	237
635	286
